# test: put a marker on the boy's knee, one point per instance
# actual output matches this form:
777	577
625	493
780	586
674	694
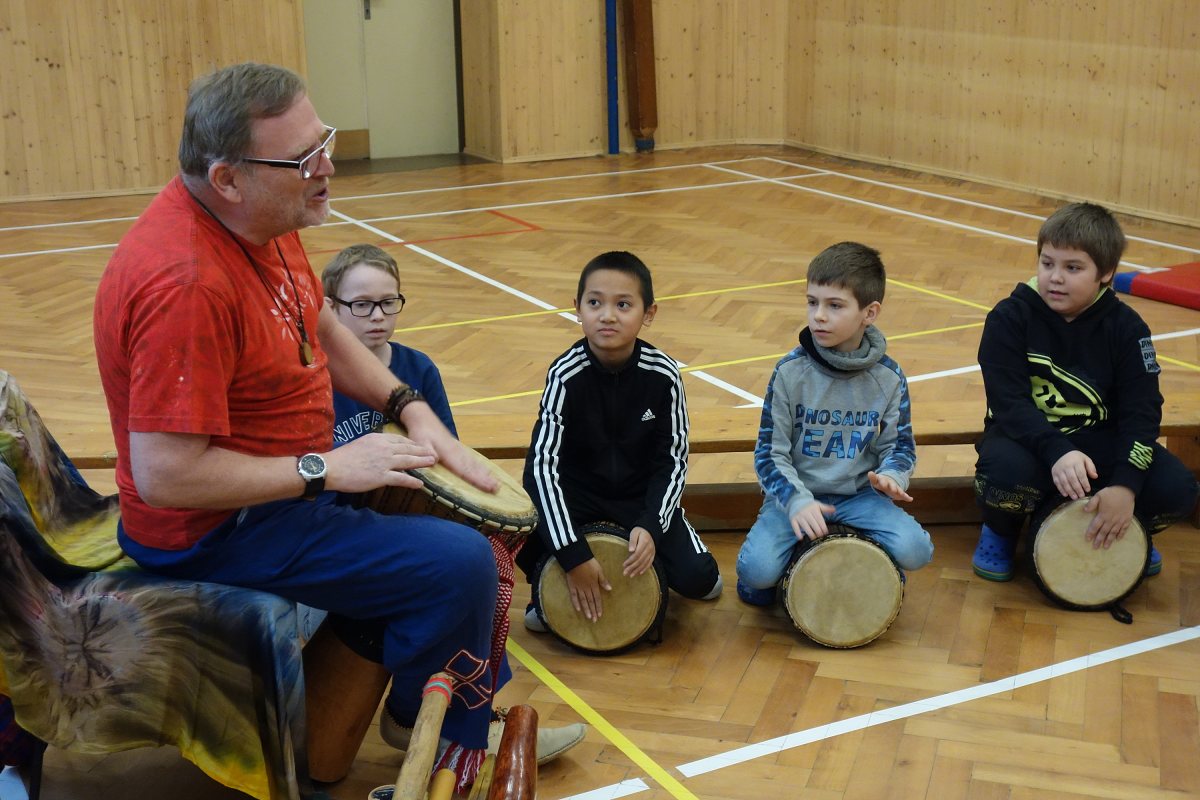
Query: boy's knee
917	553
699	579
758	573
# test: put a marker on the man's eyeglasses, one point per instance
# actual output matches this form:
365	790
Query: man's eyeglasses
365	308
309	164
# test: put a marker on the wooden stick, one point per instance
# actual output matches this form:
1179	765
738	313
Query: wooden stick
418	761
516	760
483	780
442	785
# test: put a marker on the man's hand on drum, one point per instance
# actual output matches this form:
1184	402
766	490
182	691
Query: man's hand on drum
374	460
810	520
1070	474
425	428
1114	510
585	583
641	553
888	487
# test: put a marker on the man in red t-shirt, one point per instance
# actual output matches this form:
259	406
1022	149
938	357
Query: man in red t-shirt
218	355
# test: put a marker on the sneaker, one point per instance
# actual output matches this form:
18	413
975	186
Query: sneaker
1154	565
715	591
532	621
755	597
993	559
551	742
392	732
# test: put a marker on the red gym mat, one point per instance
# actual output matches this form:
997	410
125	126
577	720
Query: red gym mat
1178	285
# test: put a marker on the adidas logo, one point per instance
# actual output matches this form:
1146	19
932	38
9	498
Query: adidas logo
649	415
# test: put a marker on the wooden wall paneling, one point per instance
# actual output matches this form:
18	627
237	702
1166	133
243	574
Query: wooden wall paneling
758	71
1084	100
552	58
482	103
94	91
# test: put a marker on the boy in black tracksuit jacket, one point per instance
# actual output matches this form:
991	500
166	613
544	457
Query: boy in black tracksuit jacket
1073	400
611	443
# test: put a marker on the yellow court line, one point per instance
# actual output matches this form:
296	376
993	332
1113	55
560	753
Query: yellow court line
1177	362
727	290
769	356
935	330
949	297
734	289
478	400
481	320
751	359
603	726
524	314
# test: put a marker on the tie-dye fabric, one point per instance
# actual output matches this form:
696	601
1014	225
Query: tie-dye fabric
100	656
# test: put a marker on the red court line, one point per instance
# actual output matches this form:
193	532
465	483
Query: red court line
526	227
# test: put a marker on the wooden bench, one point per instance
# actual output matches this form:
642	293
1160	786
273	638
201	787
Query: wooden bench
732	505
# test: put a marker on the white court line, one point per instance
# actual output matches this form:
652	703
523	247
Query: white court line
1176	334
622	789
913	214
494	184
584	199
704	376
613	173
821	732
347	220
66	224
962	201
58	250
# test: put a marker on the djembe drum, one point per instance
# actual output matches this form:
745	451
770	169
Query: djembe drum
633	610
508	513
842	590
1076	575
347	680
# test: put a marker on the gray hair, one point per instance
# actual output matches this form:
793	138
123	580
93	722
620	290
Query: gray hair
221	108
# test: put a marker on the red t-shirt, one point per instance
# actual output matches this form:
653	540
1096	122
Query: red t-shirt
190	340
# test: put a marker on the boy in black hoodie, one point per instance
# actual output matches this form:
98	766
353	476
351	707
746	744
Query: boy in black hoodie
611	443
1073	401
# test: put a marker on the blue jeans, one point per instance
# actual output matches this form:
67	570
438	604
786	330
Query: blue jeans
768	546
432	582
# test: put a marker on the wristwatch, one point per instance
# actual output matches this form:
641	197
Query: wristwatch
312	468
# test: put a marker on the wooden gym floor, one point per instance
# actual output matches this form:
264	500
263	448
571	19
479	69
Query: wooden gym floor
978	690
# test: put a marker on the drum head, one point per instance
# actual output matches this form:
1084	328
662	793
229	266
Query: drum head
509	509
843	591
1074	573
631	609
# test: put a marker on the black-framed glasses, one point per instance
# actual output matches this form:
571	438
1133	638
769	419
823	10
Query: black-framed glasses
365	308
309	164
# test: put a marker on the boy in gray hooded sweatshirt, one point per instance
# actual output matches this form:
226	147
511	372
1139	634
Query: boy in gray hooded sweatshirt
836	439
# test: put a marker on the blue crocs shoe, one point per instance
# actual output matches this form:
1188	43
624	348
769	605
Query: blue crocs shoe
993	559
756	597
1154	565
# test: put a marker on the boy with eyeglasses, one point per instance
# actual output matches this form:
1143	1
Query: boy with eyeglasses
362	286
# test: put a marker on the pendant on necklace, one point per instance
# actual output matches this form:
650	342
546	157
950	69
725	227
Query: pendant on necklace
306	354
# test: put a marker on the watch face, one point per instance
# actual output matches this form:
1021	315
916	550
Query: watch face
311	466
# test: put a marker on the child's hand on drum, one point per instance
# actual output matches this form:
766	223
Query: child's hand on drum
585	583
1071	473
641	553
810	520
888	486
1114	509
374	460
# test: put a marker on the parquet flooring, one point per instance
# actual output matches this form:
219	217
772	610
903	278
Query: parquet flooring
932	709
